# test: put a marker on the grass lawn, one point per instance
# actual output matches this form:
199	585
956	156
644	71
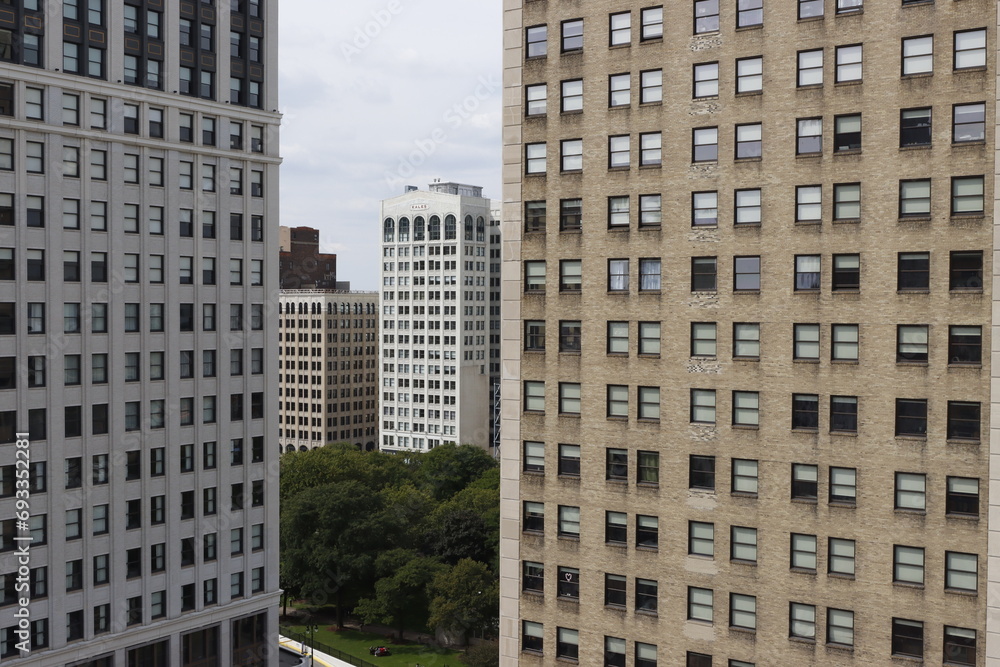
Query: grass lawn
403	655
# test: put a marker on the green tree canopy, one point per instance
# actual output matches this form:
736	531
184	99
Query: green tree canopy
464	598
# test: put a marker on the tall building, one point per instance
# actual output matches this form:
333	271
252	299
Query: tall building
747	322
438	318
328	361
138	234
301	264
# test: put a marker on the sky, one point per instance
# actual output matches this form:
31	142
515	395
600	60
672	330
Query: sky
377	95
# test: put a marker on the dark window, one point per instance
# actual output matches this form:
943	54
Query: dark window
805	481
963	496
846	272
965	345
963	420
698	660
966	270
913	271
915	127
569	335
907	638
959	646
701	472
844	413
568	583
614	590
569	460
570	214
703	274
847	133
616	464
805	411
615	527
534	216
911	416
533	577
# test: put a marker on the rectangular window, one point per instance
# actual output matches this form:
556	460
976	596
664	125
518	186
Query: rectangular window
748	141
648	468
911	417
965	345
743	544
617	402
703	406
651	86
750	73
701	539
808	203
746	408
841	556
911	343
844	341
911	491
961	571
915	198
844	414
968	122
649	338
918	55
570	214
618	275
569	460
970	49
703	339
966	270
569	398
569	521
572	35
959	645
907	638
748	207
703	274
534	216
650	149
810	66
964	420
699	605
744	476
801	621
652	23
805	481
746	274
847	133
805	411
743	611
647	531
705	144
706	80
572	95
701	472
848	63
706	16
967	195
620	29
619	90
809	136
534	158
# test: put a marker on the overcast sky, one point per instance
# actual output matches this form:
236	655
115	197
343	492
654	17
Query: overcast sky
378	94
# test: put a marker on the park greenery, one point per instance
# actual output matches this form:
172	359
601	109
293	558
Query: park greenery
410	541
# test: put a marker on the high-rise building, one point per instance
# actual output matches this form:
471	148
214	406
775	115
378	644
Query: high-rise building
328	360
440	317
300	263
138	242
747	323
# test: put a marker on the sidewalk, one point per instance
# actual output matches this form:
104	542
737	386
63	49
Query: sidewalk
320	658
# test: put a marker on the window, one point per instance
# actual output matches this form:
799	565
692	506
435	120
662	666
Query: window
572	95
748	207
535	98
534	276
618	275
534	335
534	396
810	71
748	141
801	621
913	271
915	127
651	86
962	496
534	158
746	273
617	402
570	214
619	90
844	342
963	420
750	71
743	611
970	49
618	212
911	343
959	646
652	23
698	660
705	144
961	571
848	63
915	198
616	527
572	35
907	638
805	411
569	460
701	472
533	578
619	155
531	636
34	103
570	275
846	206
536	41
968	122
620	29
911	491
743	544
808	203
911	417
706	80
649	338
847	133
840	627
568	583
569	335
703	406
706	16
649	403
749	13
650	149
841	556
34	157
967	195
703	339
807	273
649	275
647	531
569	398
699	604
617	337
844	414
918	55
805	481
744	476
746	340
966	270
703	274
746	408
648	468
569	521
534	216
701	539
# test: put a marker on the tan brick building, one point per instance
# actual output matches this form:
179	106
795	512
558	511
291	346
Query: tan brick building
746	336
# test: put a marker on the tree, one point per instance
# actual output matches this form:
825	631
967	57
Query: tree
330	536
459	533
335	463
401	596
486	654
464	598
447	469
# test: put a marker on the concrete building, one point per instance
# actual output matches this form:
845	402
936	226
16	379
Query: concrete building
747	327
138	233
301	264
437	320
328	361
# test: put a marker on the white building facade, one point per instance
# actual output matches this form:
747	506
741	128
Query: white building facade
138	281
435	304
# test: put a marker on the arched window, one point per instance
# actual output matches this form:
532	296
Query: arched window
329	308
468	228
388	230
449	228
480	229
418	228
434	229
404	230
290	448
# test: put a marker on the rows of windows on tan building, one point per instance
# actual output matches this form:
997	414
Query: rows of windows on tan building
747	332
328	365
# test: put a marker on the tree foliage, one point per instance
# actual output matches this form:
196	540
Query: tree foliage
384	535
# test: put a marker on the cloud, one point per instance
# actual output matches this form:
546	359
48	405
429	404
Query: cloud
365	87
